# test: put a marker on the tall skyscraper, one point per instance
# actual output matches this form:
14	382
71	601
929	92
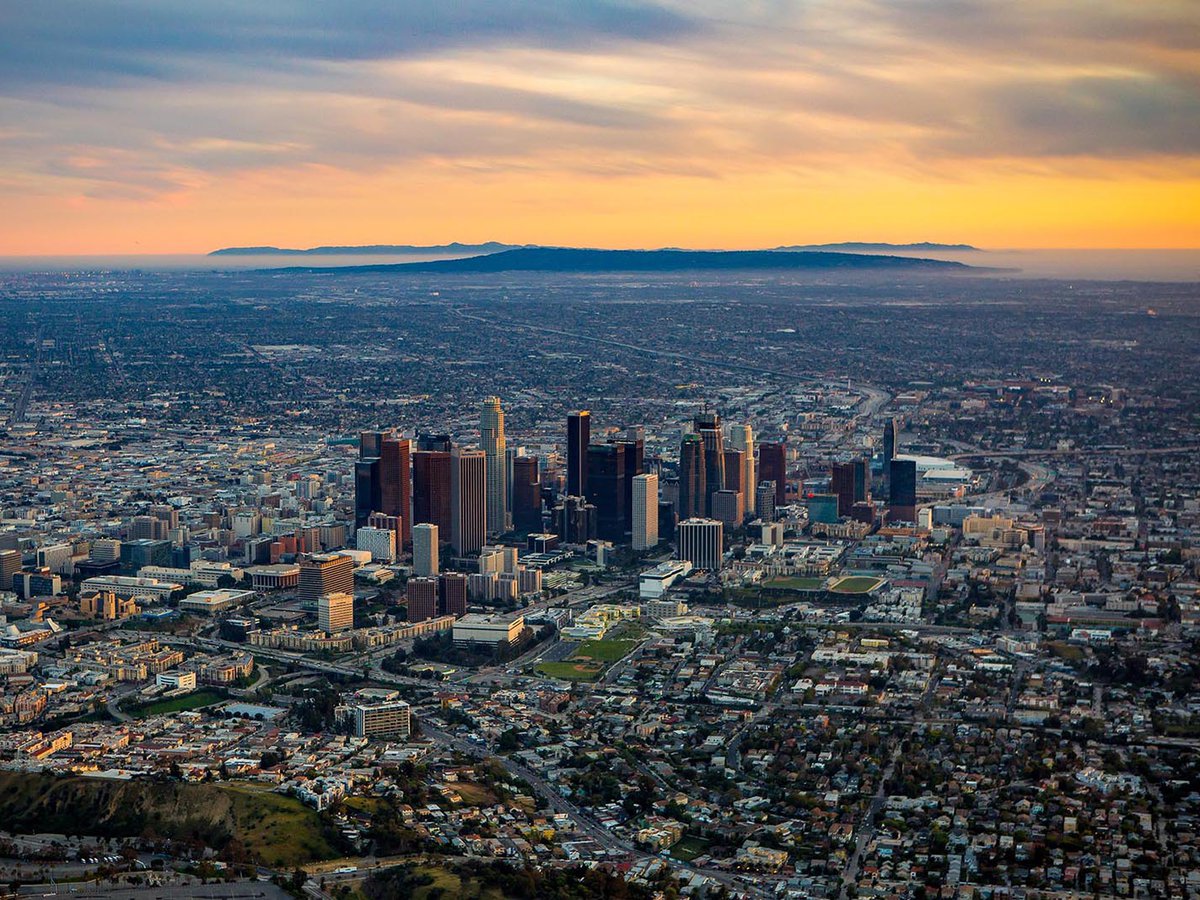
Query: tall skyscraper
708	426
735	470
494	444
741	437
889	442
841	483
772	466
606	488
692	481
850	481
367	484
395	479
903	499
468	500
701	542
579	435
335	612
432	487
645	511
425	549
634	443
526	494
369	444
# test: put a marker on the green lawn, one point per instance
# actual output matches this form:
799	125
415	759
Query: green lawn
689	848
605	650
856	584
795	583
194	700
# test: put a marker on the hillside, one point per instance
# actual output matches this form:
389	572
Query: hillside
566	260
276	830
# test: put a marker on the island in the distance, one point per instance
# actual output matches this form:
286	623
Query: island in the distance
562	259
457	248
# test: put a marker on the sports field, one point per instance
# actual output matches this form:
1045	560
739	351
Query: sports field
856	584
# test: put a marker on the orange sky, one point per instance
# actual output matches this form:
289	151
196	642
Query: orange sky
1019	124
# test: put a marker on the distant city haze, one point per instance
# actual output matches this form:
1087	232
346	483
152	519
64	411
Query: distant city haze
1122	264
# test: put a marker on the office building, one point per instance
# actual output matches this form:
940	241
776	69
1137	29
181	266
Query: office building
494	444
764	500
425	549
492	630
367	497
56	558
526	495
727	508
335	612
902	477
452	594
606	488
10	565
823	508
579	433
142	552
692	477
468	500
701	542
575	520
645	511
849	481
395	480
772	466
379	542
422	599
708	427
890	429
432	484
741	437
369	444
634	443
325	573
391	719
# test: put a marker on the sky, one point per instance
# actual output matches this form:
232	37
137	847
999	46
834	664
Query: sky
159	126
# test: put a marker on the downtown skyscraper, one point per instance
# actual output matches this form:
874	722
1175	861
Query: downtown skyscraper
579	435
494	444
741	437
468	500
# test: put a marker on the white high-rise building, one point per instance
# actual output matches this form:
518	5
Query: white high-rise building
701	542
379	542
645	511
742	438
494	444
425	550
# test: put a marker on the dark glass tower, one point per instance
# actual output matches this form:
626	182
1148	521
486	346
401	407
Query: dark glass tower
692	481
606	464
708	427
579	434
527	494
772	466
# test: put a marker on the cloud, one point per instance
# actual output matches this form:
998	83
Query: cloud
150	99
